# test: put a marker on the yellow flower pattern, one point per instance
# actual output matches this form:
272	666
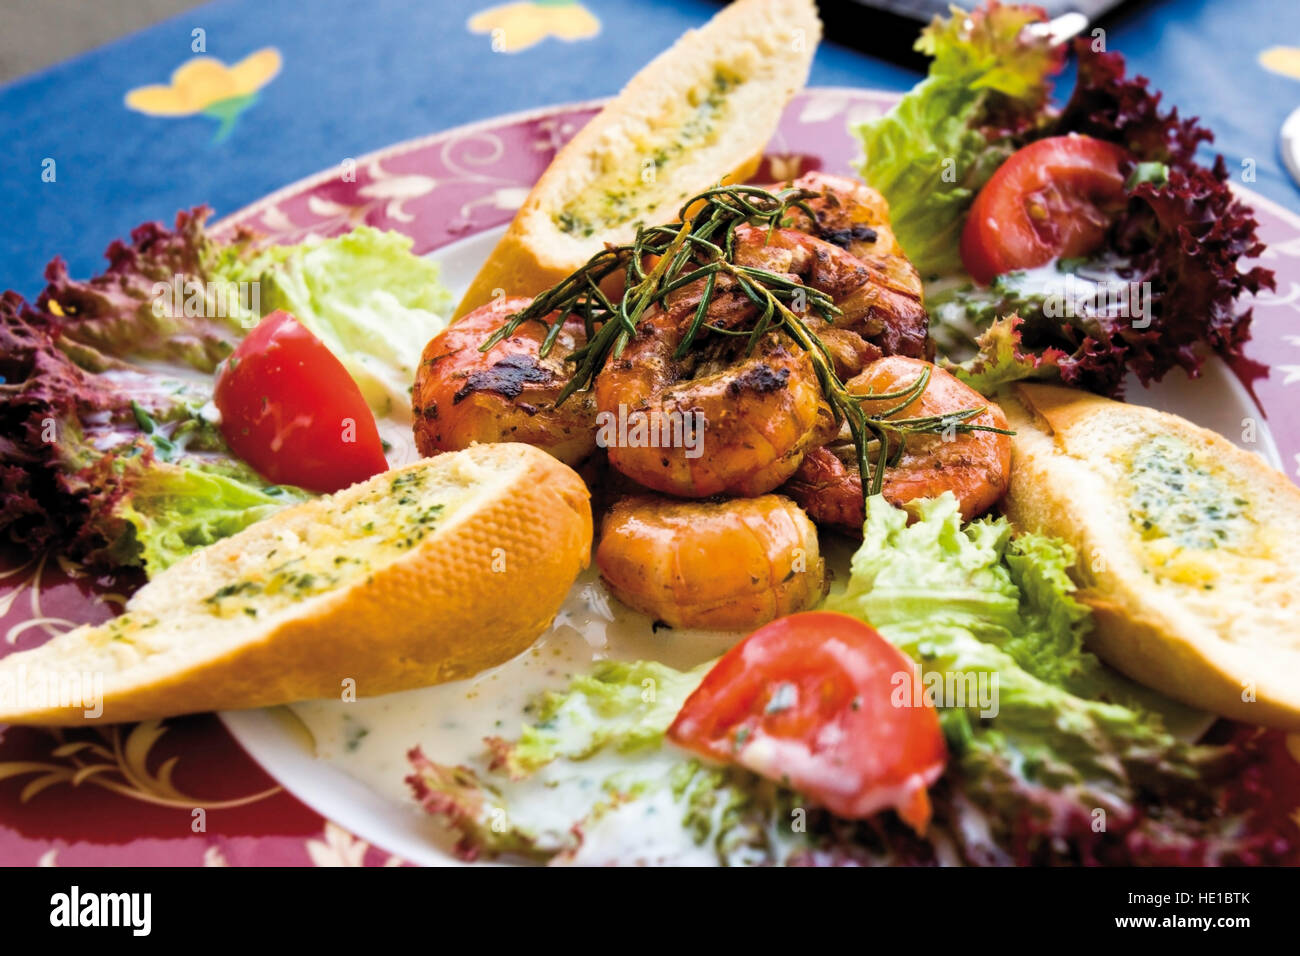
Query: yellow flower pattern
204	85
1283	60
517	26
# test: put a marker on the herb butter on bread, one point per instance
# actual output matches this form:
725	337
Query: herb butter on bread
699	114
1188	547
423	574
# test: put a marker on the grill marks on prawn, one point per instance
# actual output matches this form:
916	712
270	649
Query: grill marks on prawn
506	378
463	395
703	250
719	353
845	238
760	379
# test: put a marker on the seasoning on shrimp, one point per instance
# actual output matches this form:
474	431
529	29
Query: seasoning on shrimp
726	565
759	412
855	217
974	464
715	268
463	395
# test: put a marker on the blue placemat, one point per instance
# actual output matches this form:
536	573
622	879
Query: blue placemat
80	167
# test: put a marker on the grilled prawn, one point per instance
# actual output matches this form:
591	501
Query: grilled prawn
463	395
760	411
855	218
975	465
748	421
727	565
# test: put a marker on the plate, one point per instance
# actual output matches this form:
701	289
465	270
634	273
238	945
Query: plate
133	794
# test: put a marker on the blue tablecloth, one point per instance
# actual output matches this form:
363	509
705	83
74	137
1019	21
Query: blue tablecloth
355	76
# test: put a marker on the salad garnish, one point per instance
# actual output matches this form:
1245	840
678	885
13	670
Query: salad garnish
1177	232
1077	766
113	450
988	86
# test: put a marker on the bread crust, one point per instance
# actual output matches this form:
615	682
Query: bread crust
1156	633
443	611
522	264
773	39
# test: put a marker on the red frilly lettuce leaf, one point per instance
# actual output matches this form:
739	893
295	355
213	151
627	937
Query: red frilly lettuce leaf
45	398
1186	236
137	307
68	398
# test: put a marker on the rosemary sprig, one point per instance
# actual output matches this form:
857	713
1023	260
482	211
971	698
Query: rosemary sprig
700	246
892	433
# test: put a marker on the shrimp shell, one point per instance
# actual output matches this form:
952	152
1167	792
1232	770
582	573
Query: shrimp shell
974	466
463	396
725	565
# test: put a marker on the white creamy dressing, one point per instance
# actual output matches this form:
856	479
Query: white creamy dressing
947	298
645	832
1040	280
151	378
147	377
369	738
1049	278
399	440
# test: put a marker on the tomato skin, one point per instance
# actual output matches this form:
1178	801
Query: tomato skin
809	700
285	401
1053	198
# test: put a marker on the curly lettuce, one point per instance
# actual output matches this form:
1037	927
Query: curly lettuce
624	706
1002	358
1078	764
1179	245
163	298
1185	231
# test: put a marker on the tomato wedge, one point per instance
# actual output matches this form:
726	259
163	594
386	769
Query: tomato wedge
1055	197
809	701
291	410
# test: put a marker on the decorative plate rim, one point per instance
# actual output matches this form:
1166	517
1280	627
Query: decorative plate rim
401	148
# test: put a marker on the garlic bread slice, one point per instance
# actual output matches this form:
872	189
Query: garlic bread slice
700	113
420	575
1188	547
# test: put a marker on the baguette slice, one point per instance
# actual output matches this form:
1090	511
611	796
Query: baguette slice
700	113
1188	547
420	575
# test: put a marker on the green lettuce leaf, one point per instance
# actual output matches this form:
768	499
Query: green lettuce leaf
1072	763
931	153
366	296
975	595
1002	358
623	706
173	510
